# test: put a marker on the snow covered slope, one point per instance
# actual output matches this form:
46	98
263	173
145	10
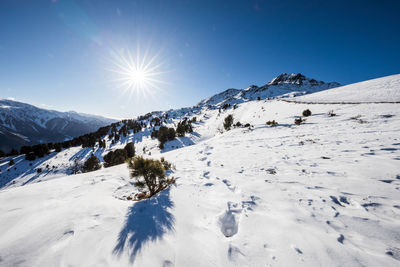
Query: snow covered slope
24	124
386	89
323	193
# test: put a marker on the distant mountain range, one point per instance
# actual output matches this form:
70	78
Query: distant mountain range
23	124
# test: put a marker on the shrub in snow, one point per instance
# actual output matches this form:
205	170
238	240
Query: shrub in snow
299	121
272	123
39	170
11	162
115	157
180	130
238	124
162	136
307	113
183	127
331	113
149	174
91	164
228	121
225	106
130	150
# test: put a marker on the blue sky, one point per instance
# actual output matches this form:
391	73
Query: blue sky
58	54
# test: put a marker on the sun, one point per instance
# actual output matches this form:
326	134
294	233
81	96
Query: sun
139	74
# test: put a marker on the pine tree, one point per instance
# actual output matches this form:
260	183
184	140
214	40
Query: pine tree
130	150
115	157
30	156
171	134
148	173
228	122
91	164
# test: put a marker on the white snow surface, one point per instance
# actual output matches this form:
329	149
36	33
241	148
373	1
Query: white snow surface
385	89
324	193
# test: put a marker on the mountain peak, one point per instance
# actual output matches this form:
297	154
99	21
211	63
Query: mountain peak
292	78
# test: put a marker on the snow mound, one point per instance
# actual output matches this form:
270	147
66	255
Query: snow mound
381	90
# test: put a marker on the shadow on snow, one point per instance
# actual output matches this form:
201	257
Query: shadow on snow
146	221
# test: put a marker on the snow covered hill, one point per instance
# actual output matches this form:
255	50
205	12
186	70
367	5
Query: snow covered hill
323	193
385	89
24	124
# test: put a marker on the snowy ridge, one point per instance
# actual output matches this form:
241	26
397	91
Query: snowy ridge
324	193
283	86
385	89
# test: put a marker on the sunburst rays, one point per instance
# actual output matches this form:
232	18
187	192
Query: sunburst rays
139	74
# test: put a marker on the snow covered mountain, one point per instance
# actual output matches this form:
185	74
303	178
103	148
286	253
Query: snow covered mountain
283	86
24	124
322	193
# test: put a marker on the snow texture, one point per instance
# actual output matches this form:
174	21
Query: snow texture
324	193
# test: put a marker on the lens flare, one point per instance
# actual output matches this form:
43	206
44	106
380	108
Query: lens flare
139	74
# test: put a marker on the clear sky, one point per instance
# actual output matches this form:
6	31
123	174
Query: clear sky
63	54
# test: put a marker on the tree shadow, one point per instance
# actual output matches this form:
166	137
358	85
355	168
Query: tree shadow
146	221
23	169
178	142
99	154
82	153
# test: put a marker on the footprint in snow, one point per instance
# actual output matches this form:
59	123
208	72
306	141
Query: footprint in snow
298	250
229	185
386	181
340	239
370	205
229	220
250	204
234	253
394	253
341	201
70	232
167	263
206	175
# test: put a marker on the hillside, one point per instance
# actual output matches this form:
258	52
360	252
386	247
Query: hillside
323	193
24	124
381	90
